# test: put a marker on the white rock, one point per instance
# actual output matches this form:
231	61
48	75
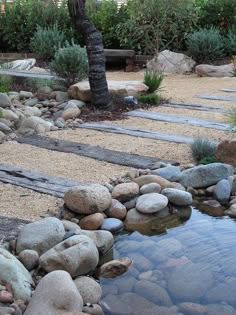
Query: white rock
214	71
24	64
4	100
151	203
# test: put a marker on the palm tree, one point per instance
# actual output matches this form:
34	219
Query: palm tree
95	50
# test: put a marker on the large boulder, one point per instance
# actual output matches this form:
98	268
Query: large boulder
24	64
206	175
77	255
12	271
171	62
214	71
82	91
40	235
88	199
56	294
226	151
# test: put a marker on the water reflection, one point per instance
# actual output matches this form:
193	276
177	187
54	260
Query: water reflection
181	266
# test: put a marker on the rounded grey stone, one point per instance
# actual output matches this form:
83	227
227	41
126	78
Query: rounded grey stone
150	188
89	289
178	197
112	224
222	191
151	203
171	173
29	258
4	100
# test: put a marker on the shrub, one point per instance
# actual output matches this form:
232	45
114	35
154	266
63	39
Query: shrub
156	24
46	41
209	160
231	41
231	118
202	148
234	66
70	63
153	79
205	45
1	114
5	83
36	84
152	99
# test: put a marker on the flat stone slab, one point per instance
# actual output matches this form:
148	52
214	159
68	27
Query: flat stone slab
28	74
37	181
178	119
137	132
194	106
95	152
10	227
217	98
228	90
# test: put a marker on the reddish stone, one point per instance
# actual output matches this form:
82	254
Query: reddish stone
226	151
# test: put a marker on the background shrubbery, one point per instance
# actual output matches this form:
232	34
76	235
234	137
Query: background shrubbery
145	26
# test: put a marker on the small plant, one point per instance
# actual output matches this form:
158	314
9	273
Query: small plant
5	83
152	99
36	84
1	114
209	160
203	148
153	79
231	118
70	63
205	45
46	41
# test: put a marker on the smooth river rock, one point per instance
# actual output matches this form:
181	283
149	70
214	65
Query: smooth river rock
178	197
112	225
88	199
56	294
147	179
89	289
171	173
125	191
151	203
206	175
222	191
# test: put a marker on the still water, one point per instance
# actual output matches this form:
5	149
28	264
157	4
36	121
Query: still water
189	269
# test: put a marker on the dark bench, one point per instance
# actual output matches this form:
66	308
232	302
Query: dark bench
121	54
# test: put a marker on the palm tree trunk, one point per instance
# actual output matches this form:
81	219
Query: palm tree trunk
95	50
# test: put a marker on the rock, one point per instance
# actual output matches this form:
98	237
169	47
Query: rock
162	310
178	197
2	137
26	94
88	199
76	103
231	212
60	122
220	309
189	308
103	239
7	310
56	294
24	64
92	221
222	191
60	96
112	225
131	203
89	289
117	210
222	292
9	115
206	175
32	111
151	203
170	246
77	255
4	128
44	93
70	226
34	124
150	188
171	62
226	151
4	100
191	282
205	70
82	92
152	292
13	272
29	258
5	297
93	309
115	267
171	173
125	191
31	102
40	235
147	179
71	113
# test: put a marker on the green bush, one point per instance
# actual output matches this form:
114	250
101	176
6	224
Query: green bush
205	45
46	41
70	63
153	79
151	98
19	22
202	148
231	118
231	41
34	84
5	83
156	24
209	160
217	13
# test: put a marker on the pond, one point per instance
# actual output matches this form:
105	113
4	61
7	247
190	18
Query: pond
188	269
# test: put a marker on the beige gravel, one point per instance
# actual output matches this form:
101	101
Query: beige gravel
25	203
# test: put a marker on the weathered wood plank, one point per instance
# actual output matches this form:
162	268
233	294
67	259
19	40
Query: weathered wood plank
228	90
125	53
193	106
178	119
95	152
37	181
136	132
217	98
10	227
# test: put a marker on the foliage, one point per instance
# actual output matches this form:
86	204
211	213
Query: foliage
151	98
205	45
5	83
217	13
202	148
209	160
46	41
19	21
1	114
234	65
153	79
231	41
156	24
36	84
70	63
231	118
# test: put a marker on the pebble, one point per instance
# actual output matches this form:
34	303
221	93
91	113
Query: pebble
112	225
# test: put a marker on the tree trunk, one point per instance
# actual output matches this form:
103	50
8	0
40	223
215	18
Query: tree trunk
95	50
